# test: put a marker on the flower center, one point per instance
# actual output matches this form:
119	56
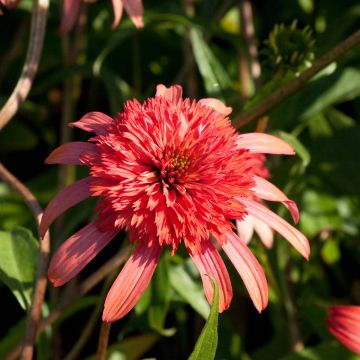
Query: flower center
179	163
174	167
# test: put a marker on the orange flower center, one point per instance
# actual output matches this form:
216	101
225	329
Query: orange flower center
174	167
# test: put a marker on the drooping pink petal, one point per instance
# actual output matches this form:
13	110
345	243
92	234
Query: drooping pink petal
118	10
294	236
64	200
131	282
135	10
249	224
210	264
173	94
245	228
264	143
76	252
69	15
265	190
70	153
248	268
344	323
95	122
217	105
264	232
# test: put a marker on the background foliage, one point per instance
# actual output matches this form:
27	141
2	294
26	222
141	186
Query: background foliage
199	45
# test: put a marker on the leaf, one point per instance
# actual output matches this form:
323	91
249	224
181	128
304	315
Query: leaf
19	252
205	348
339	87
297	145
189	289
216	79
317	96
329	350
13	335
161	292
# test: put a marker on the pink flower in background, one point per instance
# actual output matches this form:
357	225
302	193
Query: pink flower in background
9	3
70	13
169	171
344	323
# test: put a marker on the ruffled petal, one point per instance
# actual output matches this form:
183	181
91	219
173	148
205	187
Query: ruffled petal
135	10
69	15
248	268
262	213
217	105
264	232
95	122
344	323
76	252
118	10
209	263
265	190
131	282
64	200
173	94
245	228
264	143
70	153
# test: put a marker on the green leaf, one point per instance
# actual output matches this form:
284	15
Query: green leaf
339	87
297	145
205	348
13	335
216	79
329	351
161	292
19	252
188	288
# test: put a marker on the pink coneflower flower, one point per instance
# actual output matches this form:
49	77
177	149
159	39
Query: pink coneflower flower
70	13
344	323
169	171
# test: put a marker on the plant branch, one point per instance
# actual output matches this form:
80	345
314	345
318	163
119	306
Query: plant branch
83	288
103	341
23	86
295	84
41	279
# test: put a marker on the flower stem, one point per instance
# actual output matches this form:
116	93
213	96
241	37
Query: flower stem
23	86
103	341
295	84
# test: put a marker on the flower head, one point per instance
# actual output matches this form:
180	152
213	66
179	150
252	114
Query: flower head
70	13
169	171
344	323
